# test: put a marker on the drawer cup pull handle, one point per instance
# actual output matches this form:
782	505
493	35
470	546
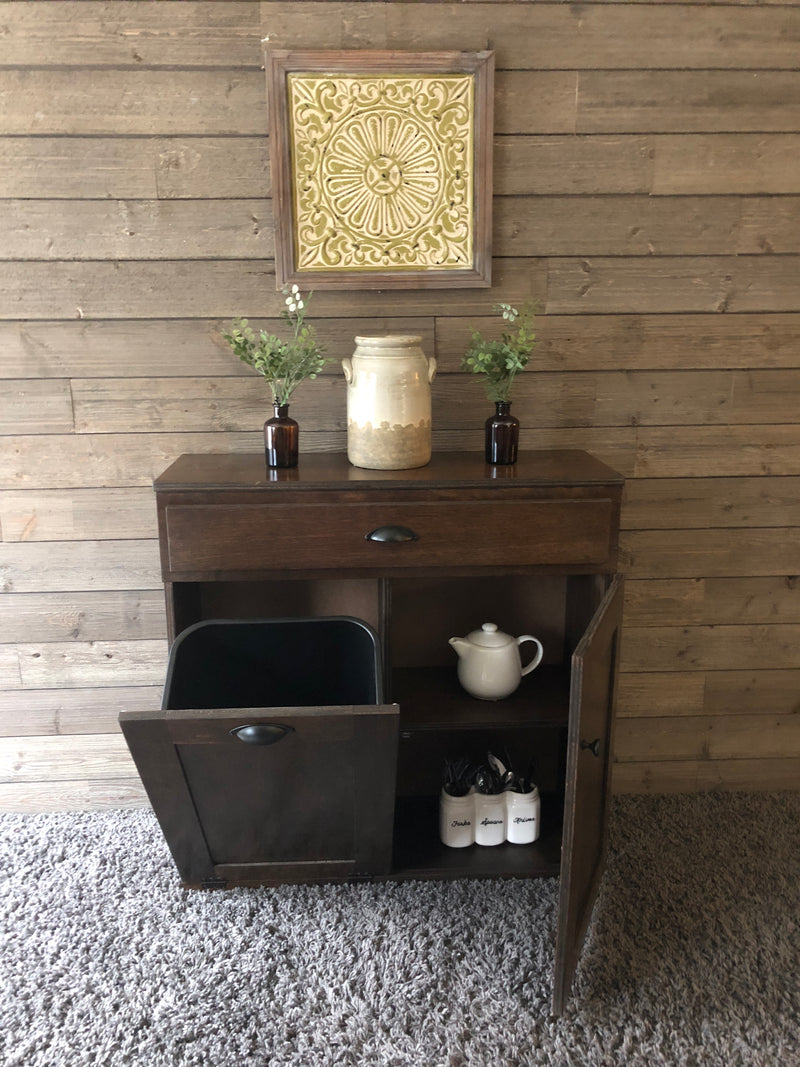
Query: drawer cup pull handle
392	535
593	746
262	733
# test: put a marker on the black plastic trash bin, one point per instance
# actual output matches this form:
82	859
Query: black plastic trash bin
275	663
273	757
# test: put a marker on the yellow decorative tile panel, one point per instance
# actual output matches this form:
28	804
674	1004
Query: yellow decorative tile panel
382	171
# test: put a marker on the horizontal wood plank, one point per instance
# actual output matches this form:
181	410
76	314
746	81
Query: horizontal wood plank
65	758
699	503
197	167
95	34
76	616
179	289
114	167
692	776
553	36
582	399
715	737
199	288
119	460
38	566
104	794
715	553
673	284
78	515
712	601
667	101
188	347
37	406
134	102
136	229
756	692
552	226
632	342
29	712
539	35
718	163
209	102
646	225
83	665
711	648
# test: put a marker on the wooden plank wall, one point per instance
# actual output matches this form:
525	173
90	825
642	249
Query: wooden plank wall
647	180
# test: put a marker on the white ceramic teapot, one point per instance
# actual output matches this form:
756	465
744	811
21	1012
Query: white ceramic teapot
489	665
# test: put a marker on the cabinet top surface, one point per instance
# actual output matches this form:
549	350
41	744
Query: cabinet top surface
332	470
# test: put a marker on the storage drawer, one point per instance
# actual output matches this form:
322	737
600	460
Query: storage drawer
490	532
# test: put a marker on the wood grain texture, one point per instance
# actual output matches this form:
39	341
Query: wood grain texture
690	776
169	289
119	167
716	648
78	515
76	616
729	398
79	665
174	167
79	34
73	711
721	553
101	794
35	566
756	692
646	178
708	737
555	36
660	101
88	756
136	229
700	503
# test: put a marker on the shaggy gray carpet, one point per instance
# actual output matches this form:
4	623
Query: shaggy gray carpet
693	956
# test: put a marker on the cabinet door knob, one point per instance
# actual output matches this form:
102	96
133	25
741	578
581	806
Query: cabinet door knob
393	535
262	733
593	746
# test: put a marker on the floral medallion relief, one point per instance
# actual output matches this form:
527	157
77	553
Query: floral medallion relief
382	171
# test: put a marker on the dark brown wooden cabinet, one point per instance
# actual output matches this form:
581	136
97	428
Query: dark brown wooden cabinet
419	555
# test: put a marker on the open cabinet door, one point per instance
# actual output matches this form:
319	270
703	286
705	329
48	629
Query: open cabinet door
589	750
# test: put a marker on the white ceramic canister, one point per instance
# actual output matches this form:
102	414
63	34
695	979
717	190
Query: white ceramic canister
389	402
523	816
490	818
456	820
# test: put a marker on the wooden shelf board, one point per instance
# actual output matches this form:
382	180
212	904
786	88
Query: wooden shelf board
431	698
418	852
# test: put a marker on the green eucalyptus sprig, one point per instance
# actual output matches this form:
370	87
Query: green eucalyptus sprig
283	363
501	361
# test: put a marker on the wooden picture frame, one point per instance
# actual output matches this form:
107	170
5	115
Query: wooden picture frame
381	168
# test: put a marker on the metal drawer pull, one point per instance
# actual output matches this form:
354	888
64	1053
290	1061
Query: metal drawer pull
393	535
262	733
593	746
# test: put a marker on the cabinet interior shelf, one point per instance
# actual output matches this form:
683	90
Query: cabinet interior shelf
431	698
418	852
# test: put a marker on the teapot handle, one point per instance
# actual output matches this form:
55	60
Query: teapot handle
537	659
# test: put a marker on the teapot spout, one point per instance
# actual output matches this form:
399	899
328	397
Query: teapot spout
459	644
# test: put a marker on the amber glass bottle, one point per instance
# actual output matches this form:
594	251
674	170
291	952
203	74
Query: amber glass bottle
281	436
502	435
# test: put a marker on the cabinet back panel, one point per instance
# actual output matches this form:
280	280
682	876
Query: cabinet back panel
427	612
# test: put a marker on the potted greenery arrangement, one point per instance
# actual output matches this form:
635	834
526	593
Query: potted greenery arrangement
284	365
500	361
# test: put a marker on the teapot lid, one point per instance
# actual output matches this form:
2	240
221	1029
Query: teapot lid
489	637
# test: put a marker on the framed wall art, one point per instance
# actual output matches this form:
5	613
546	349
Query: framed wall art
381	168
